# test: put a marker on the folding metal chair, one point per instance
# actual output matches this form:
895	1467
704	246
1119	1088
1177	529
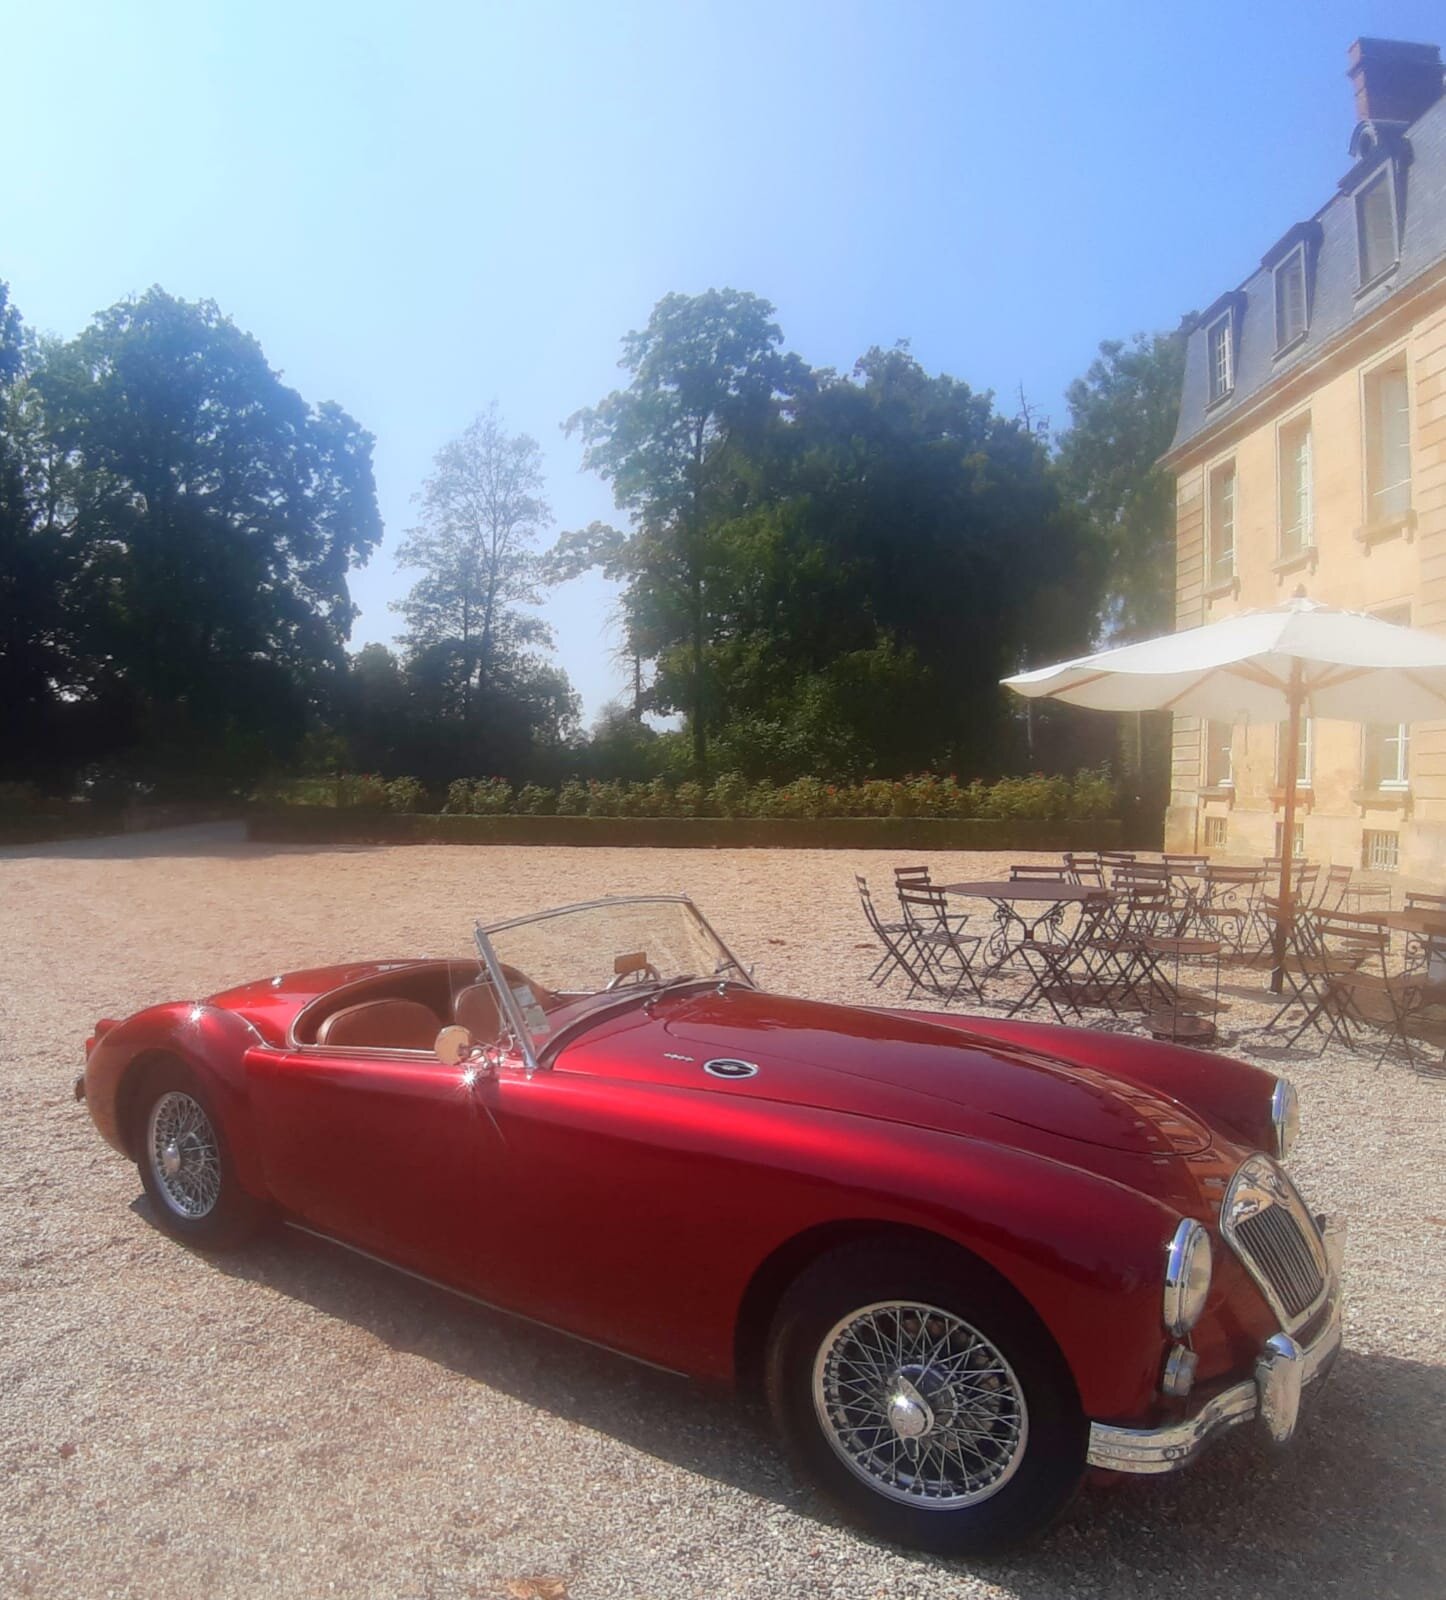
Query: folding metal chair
1031	872
1086	868
944	952
896	938
1228	907
1334	889
1363	989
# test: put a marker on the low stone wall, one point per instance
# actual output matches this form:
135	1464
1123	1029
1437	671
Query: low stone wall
324	825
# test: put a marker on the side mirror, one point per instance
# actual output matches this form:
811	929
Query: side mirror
454	1045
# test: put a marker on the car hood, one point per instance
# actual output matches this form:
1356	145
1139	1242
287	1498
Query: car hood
897	1068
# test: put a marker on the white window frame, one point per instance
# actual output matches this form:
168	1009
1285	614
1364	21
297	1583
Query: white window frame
1396	361
1382	736
1216	559
1286	337
1221	383
1384	177
1304	492
1305	773
1226	748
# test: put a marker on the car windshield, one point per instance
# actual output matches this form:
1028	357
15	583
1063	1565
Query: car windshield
564	965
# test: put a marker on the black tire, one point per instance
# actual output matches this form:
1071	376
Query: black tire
994	1494
201	1202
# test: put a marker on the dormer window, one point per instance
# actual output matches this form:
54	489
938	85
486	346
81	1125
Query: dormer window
1220	348
1376	235
1292	315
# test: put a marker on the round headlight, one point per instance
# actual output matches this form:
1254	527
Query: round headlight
1187	1278
1284	1117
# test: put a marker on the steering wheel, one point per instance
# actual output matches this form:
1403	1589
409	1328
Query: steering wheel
644	972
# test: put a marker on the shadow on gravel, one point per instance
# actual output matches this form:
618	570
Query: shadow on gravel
1353	1507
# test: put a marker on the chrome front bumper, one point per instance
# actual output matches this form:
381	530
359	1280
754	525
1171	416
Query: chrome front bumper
1272	1396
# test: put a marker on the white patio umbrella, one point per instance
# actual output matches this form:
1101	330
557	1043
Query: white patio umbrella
1273	665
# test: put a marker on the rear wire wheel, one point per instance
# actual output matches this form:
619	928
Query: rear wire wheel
924	1397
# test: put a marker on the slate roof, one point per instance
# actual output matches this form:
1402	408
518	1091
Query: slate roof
1335	303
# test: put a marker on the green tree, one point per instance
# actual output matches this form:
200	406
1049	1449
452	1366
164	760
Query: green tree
1122	419
909	549
214	515
680	446
484	700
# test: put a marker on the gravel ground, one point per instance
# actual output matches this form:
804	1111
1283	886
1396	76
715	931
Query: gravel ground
297	1421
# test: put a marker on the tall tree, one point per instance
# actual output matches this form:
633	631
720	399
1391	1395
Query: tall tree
911	548
1122	419
680	446
215	515
471	641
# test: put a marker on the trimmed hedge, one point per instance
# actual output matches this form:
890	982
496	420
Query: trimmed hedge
327	825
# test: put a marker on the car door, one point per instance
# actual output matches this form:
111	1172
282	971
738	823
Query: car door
387	1149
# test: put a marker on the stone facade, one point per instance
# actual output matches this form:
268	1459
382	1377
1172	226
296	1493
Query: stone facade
1293	478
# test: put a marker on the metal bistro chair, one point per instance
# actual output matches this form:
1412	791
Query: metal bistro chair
944	953
1085	868
1033	872
1228	908
1417	944
1334	888
1119	965
895	937
1360	987
1320	946
918	878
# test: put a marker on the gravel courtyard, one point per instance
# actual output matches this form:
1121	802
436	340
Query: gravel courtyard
295	1421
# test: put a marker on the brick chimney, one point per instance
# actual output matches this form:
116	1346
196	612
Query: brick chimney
1394	81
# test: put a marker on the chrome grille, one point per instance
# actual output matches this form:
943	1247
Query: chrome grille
1267	1225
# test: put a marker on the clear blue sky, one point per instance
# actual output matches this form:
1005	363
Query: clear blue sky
419	208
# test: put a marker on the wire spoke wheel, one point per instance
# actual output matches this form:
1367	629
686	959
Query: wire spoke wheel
920	1405
184	1157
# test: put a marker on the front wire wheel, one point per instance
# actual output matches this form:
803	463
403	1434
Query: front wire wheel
924	1396
184	1156
185	1162
919	1405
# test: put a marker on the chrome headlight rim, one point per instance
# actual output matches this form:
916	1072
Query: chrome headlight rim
1189	1268
1284	1117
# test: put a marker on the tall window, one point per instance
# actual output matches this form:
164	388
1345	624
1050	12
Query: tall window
1376	226
1297	531
1388	442
1221	356
1221	512
1290	305
1386	746
1219	754
1304	753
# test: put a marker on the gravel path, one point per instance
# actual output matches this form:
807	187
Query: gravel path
295	1421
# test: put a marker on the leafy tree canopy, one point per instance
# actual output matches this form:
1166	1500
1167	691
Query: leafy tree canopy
1122	419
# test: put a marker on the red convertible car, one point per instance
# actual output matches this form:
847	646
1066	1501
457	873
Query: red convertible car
967	1258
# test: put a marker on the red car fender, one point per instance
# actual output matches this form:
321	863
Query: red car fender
212	1042
722	1189
1233	1094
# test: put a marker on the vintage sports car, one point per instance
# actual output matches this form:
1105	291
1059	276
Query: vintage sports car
966	1258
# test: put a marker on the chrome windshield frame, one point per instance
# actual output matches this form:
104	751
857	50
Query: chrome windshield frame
533	1059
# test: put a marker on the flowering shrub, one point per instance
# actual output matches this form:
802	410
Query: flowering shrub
1085	796
405	794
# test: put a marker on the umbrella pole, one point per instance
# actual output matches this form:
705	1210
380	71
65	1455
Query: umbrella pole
1285	913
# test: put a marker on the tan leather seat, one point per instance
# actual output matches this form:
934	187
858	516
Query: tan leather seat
475	1009
382	1025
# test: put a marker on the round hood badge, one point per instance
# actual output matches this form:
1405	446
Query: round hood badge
726	1067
